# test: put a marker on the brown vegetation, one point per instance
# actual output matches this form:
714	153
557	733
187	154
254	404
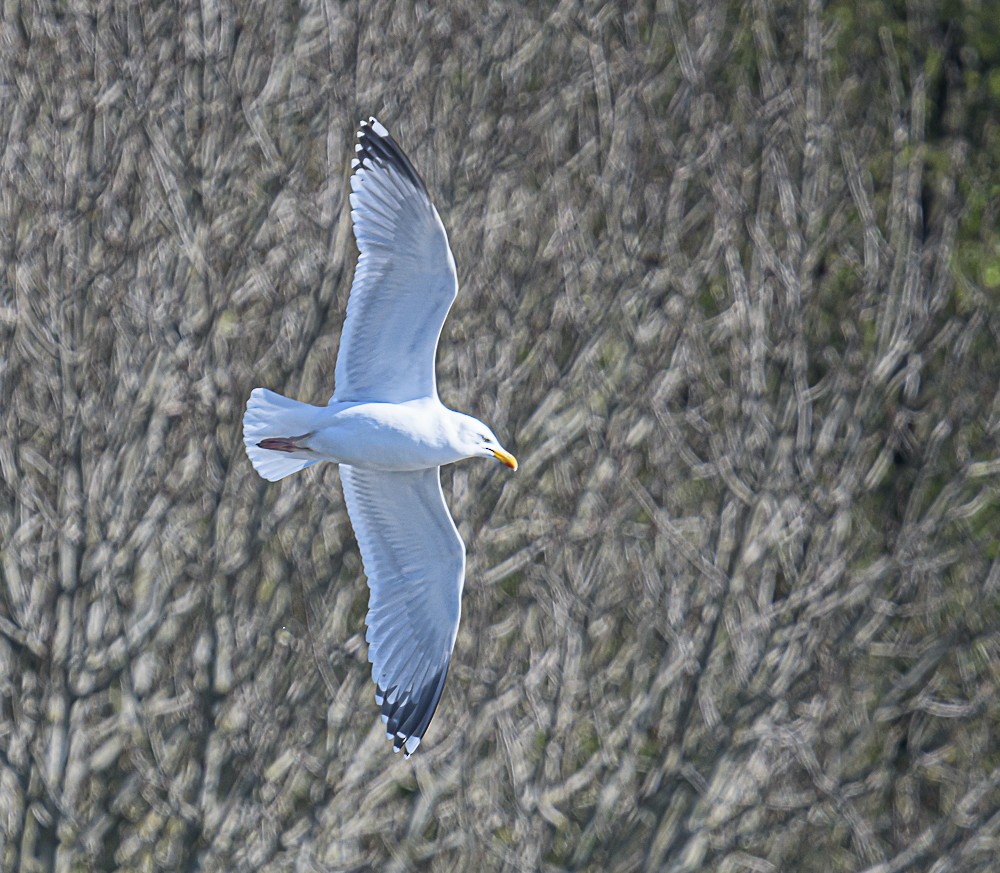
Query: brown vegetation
729	291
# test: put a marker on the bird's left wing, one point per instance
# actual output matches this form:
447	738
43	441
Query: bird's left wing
404	283
415	562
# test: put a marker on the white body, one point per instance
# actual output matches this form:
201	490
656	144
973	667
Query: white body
412	435
391	437
387	436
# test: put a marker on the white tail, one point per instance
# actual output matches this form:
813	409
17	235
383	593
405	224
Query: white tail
272	415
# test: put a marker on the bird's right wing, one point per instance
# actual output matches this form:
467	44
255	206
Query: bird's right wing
404	283
415	562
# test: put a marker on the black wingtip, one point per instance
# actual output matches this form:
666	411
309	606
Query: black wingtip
377	146
407	716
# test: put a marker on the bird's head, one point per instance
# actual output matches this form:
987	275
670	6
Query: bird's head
478	440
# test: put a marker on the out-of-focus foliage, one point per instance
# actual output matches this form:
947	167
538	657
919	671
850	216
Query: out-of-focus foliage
730	291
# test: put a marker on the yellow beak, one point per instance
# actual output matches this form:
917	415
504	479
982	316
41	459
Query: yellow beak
505	458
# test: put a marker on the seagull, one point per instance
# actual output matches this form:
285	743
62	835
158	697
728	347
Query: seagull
390	434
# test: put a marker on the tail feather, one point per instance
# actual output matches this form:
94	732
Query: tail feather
270	415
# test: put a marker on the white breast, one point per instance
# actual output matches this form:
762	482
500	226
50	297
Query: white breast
386	436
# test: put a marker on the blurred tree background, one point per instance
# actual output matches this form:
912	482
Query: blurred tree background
730	276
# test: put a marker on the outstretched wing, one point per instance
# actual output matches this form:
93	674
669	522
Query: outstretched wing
415	562
404	283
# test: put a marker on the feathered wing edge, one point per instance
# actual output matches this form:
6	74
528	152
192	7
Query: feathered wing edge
406	718
382	148
415	576
404	283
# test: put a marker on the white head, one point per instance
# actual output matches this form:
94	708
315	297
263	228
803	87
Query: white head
476	440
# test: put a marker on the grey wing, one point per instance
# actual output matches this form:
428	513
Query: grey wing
415	562
404	283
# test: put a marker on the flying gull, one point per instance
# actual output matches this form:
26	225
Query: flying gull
390	434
